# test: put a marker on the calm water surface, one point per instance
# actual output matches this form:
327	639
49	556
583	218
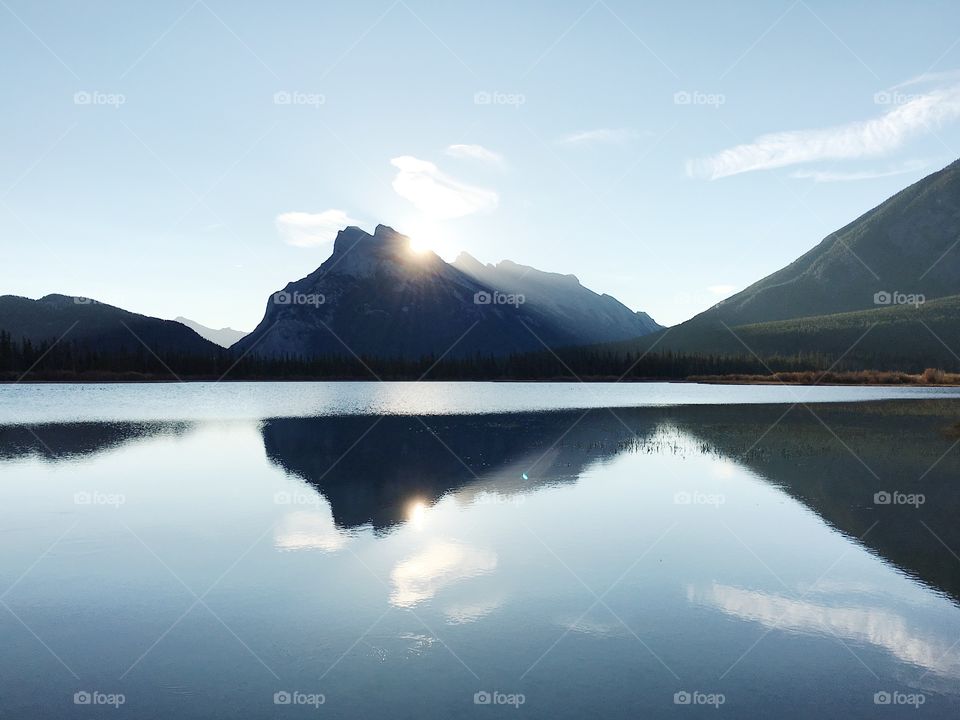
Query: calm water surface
403	550
254	401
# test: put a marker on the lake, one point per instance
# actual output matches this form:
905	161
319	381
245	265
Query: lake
438	550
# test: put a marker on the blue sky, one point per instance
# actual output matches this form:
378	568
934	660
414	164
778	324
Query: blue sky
191	157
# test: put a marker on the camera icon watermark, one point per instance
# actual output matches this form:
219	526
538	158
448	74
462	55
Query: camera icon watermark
95	697
696	97
885	697
296	697
899	498
80	300
298	97
697	697
96	97
496	697
898	298
495	97
298	298
482	297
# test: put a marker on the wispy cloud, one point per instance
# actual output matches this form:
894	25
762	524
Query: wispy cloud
929	77
865	138
312	229
435	193
475	152
600	135
827	176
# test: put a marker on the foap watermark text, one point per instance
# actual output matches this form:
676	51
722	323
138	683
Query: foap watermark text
696	97
496	297
895	497
495	97
685	497
296	697
298	97
698	697
496	697
96	697
898	298
298	298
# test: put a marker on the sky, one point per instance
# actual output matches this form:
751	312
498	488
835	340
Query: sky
191	157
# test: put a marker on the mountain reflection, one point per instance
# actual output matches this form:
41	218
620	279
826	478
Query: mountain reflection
836	458
56	442
370	470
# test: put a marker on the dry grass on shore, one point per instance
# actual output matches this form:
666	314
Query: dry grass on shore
930	376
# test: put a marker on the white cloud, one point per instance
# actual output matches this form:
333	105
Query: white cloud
600	135
853	140
312	229
475	152
435	193
825	176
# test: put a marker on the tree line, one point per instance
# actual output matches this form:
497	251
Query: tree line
66	360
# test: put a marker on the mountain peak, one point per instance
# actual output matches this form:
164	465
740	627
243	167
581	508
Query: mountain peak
468	263
224	337
509	266
356	252
353	236
386	232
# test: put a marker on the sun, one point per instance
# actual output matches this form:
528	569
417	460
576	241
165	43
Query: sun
416	513
420	244
430	237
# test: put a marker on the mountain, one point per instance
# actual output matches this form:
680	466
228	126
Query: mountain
582	311
880	268
96	326
502	454
906	244
224	337
375	297
900	337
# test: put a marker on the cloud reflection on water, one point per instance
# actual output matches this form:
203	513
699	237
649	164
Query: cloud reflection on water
309	530
442	563
883	628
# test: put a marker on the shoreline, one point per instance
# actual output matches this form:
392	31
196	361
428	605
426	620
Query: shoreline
761	380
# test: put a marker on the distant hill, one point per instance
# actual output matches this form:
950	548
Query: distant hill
375	297
224	337
97	326
900	337
906	247
906	244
